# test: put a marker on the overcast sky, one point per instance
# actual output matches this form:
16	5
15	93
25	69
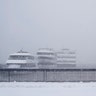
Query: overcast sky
33	24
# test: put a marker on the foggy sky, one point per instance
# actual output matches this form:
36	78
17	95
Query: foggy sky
33	24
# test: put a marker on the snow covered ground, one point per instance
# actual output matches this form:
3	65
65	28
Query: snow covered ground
47	89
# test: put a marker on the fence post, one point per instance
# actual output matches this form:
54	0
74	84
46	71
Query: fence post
8	76
44	75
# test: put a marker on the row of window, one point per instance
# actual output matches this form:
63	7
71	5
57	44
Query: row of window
66	56
43	53
46	58
65	61
21	57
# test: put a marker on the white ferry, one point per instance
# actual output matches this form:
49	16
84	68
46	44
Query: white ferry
46	58
21	59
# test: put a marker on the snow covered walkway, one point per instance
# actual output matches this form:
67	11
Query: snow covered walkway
47	89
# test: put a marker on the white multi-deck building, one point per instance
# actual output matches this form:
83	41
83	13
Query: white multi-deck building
21	59
66	58
46	58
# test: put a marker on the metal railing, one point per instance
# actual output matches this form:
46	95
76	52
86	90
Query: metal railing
48	75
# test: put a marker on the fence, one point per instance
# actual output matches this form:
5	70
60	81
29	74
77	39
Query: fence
47	75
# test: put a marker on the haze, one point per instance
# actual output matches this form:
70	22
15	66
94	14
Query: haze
33	24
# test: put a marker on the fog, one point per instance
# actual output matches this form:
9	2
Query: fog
33	24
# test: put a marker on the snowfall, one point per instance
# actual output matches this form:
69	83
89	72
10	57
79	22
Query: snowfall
48	89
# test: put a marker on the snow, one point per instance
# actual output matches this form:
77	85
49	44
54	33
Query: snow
47	89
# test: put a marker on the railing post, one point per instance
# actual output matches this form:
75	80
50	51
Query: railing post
8	75
44	75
